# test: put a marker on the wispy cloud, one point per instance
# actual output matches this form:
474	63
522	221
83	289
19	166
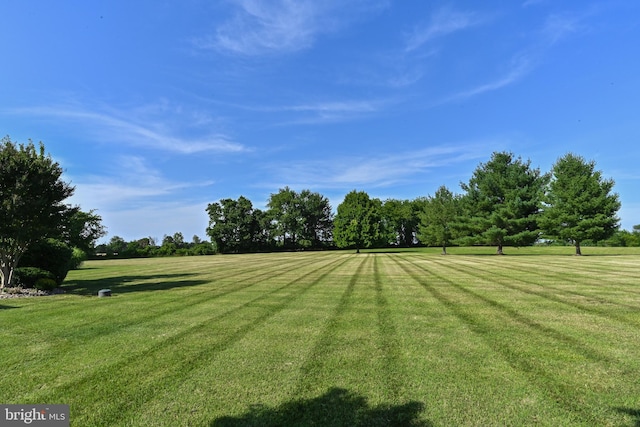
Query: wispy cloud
555	28
376	171
276	26
528	3
443	22
136	200
520	66
118	128
282	26
336	111
320	111
132	182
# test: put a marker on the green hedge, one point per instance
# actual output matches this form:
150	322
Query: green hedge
31	277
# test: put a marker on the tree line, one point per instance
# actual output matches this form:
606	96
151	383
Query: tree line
506	202
148	247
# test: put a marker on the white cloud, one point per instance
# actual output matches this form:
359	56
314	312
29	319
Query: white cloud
322	112
130	182
282	26
443	22
375	171
136	200
332	111
123	127
520	66
557	27
275	26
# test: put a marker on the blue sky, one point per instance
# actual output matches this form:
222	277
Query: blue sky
157	108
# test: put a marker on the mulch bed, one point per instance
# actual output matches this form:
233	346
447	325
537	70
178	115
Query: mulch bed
19	292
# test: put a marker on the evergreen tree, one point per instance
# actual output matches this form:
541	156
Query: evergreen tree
579	204
503	200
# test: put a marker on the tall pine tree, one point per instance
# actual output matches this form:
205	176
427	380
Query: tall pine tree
503	200
579	204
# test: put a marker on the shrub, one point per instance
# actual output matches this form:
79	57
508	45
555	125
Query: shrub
27	277
45	284
204	248
77	258
51	255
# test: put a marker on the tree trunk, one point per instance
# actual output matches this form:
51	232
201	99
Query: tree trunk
578	250
444	250
7	274
500	252
357	250
8	264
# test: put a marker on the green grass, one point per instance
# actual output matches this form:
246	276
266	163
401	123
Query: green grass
536	337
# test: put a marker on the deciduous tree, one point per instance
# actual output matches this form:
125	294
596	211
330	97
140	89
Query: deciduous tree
32	193
300	219
317	219
439	219
358	222
285	211
401	218
83	229
234	225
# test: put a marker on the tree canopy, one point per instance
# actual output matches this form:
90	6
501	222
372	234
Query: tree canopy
32	193
579	203
401	219
501	205
83	229
439	218
300	220
358	223
234	225
503	200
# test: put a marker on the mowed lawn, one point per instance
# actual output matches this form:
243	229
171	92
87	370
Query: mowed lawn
536	337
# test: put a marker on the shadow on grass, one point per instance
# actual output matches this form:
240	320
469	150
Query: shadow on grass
337	407
635	413
6	307
127	284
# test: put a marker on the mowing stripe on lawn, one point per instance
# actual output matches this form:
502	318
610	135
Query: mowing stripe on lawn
80	306
388	339
578	271
217	387
499	277
448	367
111	326
194	344
466	339
312	368
562	394
590	266
572	342
89	334
264	369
